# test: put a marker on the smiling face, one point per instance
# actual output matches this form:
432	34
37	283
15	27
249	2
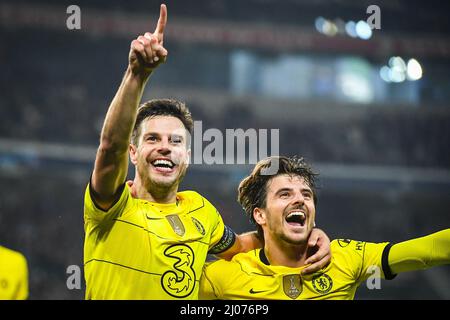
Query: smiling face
289	210
161	155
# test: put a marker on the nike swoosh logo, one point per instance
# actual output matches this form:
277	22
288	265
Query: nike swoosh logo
255	291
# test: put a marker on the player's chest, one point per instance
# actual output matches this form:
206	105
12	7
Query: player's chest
178	227
294	286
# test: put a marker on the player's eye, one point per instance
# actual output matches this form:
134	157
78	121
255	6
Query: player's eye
176	139
151	138
307	195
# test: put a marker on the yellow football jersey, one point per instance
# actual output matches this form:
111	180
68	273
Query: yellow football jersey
249	275
145	250
13	275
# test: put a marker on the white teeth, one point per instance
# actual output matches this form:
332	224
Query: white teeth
297	213
163	163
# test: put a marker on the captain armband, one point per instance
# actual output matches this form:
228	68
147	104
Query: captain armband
226	242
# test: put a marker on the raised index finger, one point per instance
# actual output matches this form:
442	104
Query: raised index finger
159	31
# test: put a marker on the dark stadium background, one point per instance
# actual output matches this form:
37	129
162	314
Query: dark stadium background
382	148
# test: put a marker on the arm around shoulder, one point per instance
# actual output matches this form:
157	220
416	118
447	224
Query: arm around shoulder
243	243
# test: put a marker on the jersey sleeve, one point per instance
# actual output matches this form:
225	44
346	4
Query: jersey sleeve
374	261
362	260
421	253
92	212
217	229
222	236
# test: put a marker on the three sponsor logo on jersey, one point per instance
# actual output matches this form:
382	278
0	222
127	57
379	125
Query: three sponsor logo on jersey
179	282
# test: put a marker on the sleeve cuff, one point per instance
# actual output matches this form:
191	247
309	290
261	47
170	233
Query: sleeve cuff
388	275
117	196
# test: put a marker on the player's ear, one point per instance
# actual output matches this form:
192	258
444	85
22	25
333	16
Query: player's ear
259	215
133	154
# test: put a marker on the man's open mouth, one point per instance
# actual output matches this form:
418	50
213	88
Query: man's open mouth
296	218
163	164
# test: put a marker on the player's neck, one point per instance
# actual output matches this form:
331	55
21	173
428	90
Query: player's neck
154	193
285	254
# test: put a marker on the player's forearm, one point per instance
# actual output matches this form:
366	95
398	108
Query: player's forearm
111	163
250	241
420	253
244	242
121	115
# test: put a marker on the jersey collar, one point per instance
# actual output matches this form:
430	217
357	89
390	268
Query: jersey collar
263	258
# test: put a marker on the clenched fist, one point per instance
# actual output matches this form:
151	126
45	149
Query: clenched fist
147	51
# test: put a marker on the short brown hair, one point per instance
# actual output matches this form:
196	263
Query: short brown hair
252	191
162	107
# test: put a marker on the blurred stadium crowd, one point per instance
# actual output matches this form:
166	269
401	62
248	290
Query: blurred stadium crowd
385	166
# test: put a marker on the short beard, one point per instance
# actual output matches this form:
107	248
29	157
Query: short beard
159	190
292	241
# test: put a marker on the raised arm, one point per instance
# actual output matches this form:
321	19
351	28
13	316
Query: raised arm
420	253
111	163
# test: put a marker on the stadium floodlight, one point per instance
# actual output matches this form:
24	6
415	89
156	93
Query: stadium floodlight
384	74
363	30
413	70
350	28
